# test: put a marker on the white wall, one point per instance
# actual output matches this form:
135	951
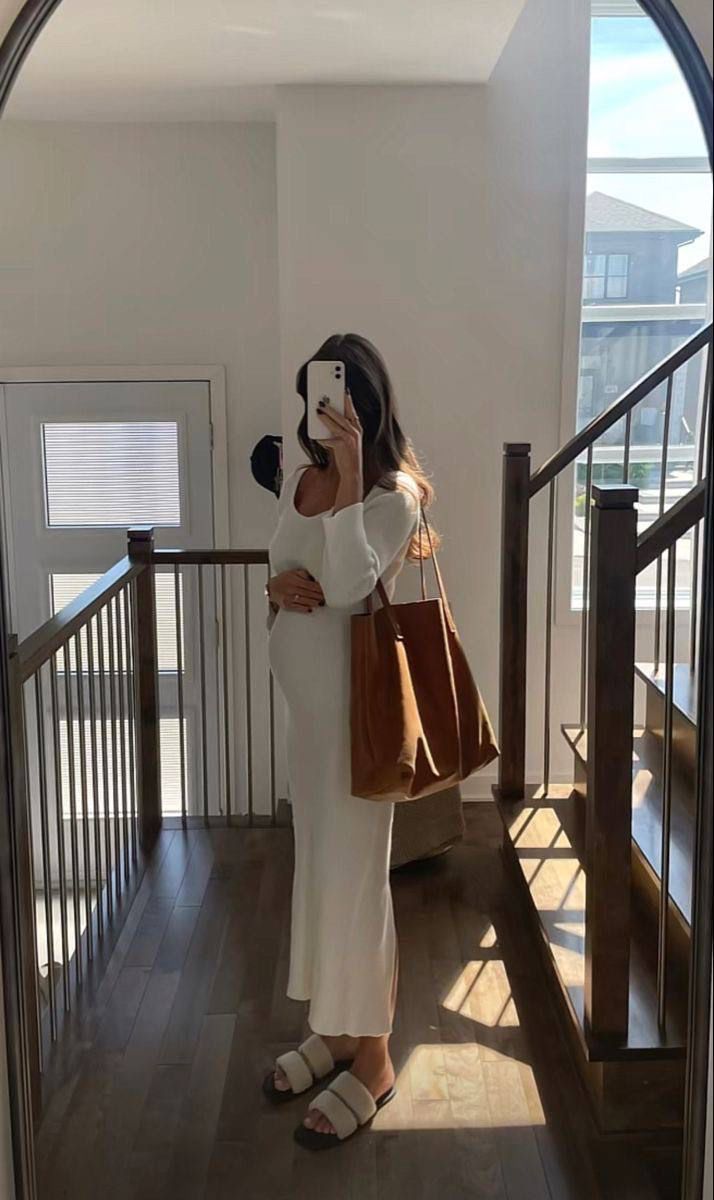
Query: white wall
699	16
434	221
146	245
8	11
124	244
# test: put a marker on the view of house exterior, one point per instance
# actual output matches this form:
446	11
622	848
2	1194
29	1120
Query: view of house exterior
631	266
694	282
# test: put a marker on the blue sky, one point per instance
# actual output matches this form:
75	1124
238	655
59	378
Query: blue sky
641	107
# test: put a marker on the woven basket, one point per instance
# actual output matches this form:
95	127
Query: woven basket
426	827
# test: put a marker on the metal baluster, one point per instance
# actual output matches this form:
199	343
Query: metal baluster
626	456
130	717
217	639
548	637
115	753
122	734
135	701
662	494
73	840
59	820
226	707
271	718
271	736
202	670
95	776
584	616
105	764
45	846
248	695
33	906
86	851
662	948
179	684
704	434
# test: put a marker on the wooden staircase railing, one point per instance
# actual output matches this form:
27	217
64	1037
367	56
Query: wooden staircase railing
78	813
610	700
88	694
614	556
618	556
519	489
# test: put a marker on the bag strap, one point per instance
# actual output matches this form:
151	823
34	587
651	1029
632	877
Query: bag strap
382	591
422	574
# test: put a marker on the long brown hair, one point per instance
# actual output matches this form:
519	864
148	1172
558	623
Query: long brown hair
385	448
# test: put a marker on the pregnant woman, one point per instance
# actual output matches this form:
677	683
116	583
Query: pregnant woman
345	521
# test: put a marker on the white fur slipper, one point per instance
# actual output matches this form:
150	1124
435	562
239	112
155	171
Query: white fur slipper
303	1068
348	1106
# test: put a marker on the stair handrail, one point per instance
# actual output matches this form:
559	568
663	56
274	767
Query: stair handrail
618	409
45	641
519	487
667	530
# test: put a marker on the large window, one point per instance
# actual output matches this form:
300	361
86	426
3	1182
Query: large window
647	265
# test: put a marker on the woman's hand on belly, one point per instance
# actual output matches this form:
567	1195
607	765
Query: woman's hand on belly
295	591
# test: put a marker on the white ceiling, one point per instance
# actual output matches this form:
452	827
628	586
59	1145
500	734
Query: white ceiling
148	60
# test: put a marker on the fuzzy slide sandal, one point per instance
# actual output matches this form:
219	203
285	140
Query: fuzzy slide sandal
303	1068
348	1106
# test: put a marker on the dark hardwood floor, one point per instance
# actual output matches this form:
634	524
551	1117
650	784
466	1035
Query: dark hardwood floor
155	1092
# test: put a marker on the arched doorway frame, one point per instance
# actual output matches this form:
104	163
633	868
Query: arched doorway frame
13	51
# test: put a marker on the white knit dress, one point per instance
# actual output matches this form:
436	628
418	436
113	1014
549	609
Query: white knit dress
343	942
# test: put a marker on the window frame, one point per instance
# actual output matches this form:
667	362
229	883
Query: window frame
584	166
607	275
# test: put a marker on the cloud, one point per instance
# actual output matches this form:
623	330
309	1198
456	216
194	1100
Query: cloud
651	123
654	65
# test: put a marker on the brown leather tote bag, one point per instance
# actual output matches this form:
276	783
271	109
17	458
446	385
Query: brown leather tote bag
418	723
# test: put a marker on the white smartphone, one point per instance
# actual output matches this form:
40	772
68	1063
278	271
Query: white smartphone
325	381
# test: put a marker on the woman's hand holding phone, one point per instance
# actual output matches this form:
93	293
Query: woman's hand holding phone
295	591
345	442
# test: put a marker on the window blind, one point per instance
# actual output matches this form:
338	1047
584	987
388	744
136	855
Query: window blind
111	473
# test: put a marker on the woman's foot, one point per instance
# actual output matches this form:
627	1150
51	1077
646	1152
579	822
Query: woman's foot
342	1049
373	1067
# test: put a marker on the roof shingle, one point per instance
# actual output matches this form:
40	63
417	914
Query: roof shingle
607	214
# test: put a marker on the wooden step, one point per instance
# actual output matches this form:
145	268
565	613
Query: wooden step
685	687
647	816
634	1084
684	723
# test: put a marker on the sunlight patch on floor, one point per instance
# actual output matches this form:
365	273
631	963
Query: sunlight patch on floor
454	1087
482	993
557	885
72	934
489	939
482	1081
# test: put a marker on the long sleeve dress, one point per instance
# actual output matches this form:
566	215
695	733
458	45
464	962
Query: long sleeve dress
343	942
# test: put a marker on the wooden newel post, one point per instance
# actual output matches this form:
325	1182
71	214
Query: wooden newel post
148	756
514	603
610	698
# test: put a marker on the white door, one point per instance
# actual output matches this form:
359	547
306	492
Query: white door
85	461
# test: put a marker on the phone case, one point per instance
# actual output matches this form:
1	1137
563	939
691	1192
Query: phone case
325	380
